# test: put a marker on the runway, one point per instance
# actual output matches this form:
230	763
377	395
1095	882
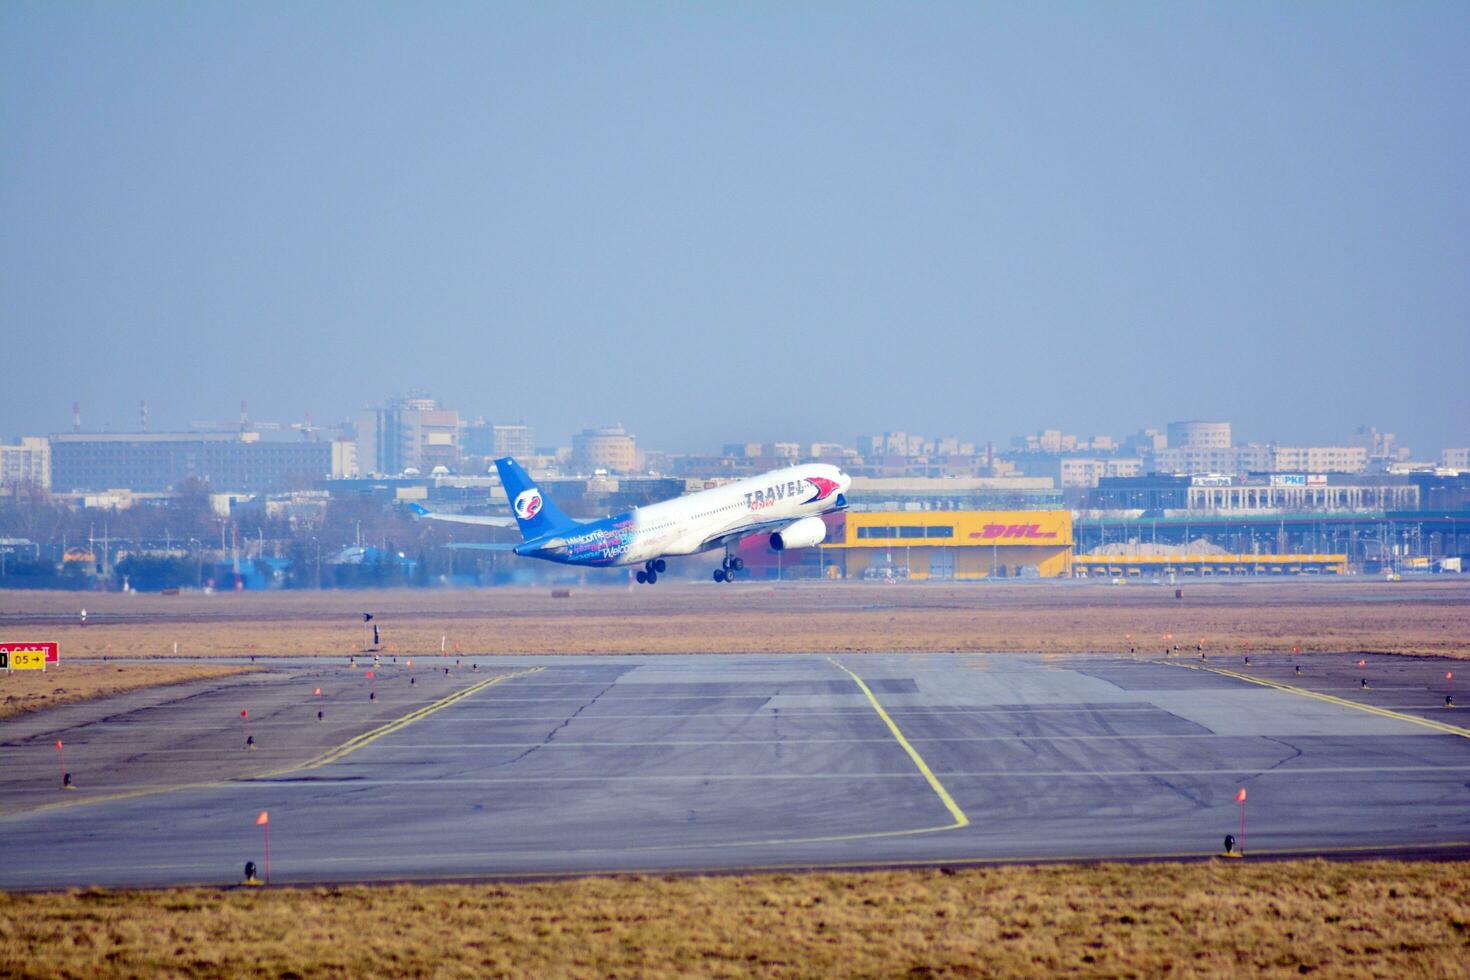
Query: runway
565	765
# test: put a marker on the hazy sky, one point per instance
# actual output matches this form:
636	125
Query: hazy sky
729	222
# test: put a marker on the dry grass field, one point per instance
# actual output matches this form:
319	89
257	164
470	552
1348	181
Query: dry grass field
1424	617
1369	919
30	690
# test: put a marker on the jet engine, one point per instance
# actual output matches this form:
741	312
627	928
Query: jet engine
804	533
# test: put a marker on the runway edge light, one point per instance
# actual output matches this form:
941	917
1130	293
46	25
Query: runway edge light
65	776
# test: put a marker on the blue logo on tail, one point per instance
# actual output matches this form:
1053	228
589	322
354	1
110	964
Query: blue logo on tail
537	516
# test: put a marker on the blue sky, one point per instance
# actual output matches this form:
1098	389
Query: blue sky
730	222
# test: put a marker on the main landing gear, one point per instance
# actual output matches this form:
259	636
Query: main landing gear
649	573
731	565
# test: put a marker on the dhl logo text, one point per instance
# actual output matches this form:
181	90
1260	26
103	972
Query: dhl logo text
1029	531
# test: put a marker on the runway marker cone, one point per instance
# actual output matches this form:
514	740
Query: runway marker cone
1240	798
264	820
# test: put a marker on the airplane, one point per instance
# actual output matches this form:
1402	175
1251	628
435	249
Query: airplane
786	504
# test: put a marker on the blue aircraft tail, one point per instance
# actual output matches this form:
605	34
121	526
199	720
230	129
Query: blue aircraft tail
533	510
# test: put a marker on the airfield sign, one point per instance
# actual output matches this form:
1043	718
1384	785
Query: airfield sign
28	656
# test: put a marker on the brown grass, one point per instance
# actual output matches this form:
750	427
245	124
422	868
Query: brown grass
30	690
1422	617
1378	918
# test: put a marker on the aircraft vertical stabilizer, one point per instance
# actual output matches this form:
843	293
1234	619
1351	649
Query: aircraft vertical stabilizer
533	510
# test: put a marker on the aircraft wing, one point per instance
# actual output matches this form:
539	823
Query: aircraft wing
421	511
475	546
732	537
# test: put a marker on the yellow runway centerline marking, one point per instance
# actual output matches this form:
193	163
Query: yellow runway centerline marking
351	745
367	738
1438	726
960	819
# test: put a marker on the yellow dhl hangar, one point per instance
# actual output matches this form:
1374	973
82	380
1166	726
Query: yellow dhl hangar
956	544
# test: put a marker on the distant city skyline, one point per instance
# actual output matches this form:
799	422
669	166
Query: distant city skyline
1002	442
717	223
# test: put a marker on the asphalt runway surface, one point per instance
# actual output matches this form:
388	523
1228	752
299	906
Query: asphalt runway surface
567	765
